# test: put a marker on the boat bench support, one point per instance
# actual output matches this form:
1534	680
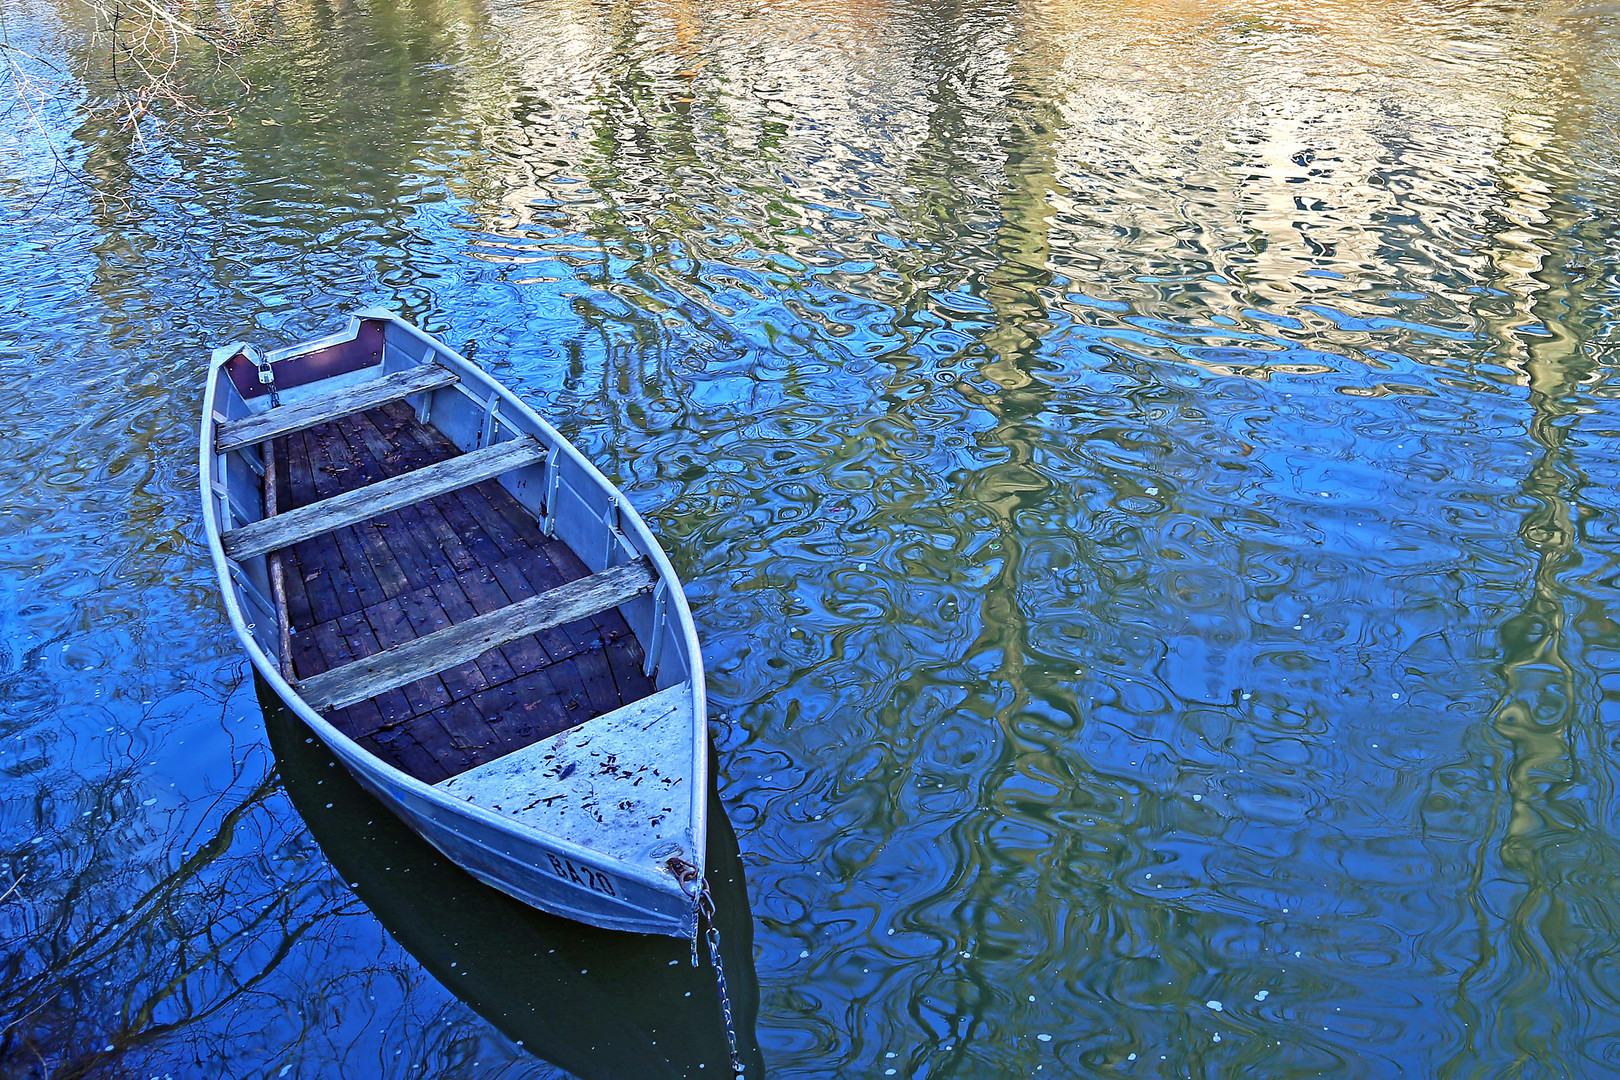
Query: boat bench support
351	507
442	649
286	419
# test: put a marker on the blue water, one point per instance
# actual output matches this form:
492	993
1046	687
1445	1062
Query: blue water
1145	478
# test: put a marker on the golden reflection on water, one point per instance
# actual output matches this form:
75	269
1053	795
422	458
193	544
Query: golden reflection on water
1273	146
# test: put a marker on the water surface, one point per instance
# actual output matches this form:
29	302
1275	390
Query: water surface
1145	477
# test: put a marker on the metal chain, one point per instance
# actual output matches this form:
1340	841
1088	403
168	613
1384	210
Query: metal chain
706	913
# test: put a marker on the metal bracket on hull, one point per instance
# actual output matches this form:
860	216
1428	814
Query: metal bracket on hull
656	646
491	418
550	484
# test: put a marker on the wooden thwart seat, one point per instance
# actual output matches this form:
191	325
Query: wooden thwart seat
351	507
286	419
442	649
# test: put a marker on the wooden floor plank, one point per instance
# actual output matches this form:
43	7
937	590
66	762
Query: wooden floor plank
419	569
360	716
424	750
484	594
306	652
464	507
426	617
472	733
530	708
325	478
392	628
393	538
451	753
458	609
312	559
429	513
335	462
298	610
390	573
393	706
599	688
454	513
556	641
625	659
529	557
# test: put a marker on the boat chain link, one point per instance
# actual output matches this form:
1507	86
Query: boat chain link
706	915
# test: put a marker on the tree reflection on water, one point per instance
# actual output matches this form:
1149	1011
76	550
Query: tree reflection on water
101	962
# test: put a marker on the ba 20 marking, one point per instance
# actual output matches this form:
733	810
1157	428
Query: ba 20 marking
569	870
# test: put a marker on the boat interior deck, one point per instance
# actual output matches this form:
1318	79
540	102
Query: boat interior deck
407	573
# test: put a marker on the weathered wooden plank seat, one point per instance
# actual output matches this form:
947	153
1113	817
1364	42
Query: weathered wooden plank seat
287	419
463	641
329	515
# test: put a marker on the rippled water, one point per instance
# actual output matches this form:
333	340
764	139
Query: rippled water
1145	476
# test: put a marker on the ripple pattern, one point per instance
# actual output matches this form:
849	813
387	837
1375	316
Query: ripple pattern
1145	476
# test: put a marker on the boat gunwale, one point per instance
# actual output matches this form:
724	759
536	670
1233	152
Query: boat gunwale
630	522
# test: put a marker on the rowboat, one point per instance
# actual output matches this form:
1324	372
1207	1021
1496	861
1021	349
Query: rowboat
468	613
597	1004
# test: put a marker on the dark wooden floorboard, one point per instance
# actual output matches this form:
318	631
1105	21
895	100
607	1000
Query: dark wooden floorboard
412	571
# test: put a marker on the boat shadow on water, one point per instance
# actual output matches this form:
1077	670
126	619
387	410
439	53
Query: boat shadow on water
601	1004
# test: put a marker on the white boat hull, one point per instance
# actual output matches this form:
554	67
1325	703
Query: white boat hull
639	871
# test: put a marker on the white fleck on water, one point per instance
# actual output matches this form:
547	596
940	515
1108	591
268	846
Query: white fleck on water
1044	1037
1217	1006
1262	995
